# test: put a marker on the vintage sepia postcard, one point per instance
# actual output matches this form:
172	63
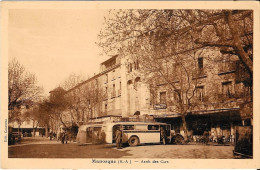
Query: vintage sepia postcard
129	85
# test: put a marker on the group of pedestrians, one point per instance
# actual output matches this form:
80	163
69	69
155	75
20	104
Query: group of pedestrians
63	137
52	135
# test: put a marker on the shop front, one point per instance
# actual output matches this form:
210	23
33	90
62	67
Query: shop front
219	124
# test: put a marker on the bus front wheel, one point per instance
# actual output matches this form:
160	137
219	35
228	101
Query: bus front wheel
179	140
133	141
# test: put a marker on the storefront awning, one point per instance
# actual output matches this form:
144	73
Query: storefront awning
167	115
199	112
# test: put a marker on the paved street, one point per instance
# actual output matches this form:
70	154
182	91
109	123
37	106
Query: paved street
44	148
181	151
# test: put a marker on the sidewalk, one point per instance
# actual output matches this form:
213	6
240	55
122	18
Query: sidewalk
35	140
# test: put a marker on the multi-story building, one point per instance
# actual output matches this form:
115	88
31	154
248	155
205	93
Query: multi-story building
114	92
221	91
120	90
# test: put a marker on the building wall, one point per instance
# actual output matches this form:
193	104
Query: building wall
125	91
219	87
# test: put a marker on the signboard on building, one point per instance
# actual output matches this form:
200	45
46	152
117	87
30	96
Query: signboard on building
160	106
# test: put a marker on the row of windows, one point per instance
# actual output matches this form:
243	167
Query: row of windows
224	66
139	127
227	92
132	66
113	92
113	76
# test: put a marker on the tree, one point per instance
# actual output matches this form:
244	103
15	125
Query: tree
72	97
22	88
166	43
32	114
72	80
50	113
84	99
57	108
92	98
44	112
231	31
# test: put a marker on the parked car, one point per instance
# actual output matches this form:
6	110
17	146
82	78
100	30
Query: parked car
16	137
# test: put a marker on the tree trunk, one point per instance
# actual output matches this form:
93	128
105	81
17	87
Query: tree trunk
33	132
243	56
18	129
46	131
185	129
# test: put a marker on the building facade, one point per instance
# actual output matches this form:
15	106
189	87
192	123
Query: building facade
222	95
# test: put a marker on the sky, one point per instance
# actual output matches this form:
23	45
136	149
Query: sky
54	43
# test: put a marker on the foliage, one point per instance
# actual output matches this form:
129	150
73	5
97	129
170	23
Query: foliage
173	32
168	43
23	90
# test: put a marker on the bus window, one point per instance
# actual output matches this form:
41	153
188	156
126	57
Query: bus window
153	127
97	129
128	127
141	127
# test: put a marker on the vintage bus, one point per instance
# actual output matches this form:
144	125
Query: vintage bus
135	133
89	133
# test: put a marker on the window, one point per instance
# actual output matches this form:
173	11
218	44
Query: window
136	65
200	93
227	89
119	91
128	127
113	75
106	79
106	93
162	97
105	107
89	104
114	90
226	66
248	91
200	63
153	127
130	67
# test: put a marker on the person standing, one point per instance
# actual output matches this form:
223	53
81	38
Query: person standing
62	137
119	139
163	135
206	137
51	136
66	137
